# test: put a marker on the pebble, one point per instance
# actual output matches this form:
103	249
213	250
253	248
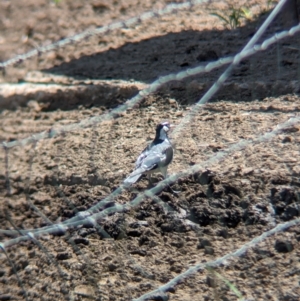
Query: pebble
209	250
84	290
81	240
63	255
283	246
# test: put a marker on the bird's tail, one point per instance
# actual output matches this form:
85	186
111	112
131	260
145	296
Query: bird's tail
133	177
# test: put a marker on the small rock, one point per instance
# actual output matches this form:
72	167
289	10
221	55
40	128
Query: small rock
134	233
203	243
166	227
63	256
84	290
34	105
81	240
279	180
209	250
76	179
139	252
291	129
112	266
138	224
291	211
146	285
178	244
223	232
176	268
136	279
287	139
211	281
85	232
31	268
171	290
283	246
247	170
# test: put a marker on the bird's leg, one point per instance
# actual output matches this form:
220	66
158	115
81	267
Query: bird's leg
164	173
150	181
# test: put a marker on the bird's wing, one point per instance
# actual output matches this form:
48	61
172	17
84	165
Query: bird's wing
152	157
149	159
142	156
149	162
168	150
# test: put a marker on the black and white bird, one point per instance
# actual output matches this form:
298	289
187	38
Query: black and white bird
155	157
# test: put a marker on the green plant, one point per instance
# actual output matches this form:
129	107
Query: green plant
233	19
231	286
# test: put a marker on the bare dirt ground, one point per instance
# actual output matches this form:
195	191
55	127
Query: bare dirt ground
219	209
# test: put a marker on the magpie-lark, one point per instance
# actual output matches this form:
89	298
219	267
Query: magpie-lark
155	157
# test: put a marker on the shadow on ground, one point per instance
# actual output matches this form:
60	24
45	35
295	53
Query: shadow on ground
273	72
269	73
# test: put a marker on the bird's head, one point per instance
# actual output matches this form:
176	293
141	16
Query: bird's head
162	130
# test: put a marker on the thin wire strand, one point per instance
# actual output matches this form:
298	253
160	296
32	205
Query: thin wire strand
170	8
88	122
236	60
13	266
242	144
86	217
50	257
216	263
263	46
